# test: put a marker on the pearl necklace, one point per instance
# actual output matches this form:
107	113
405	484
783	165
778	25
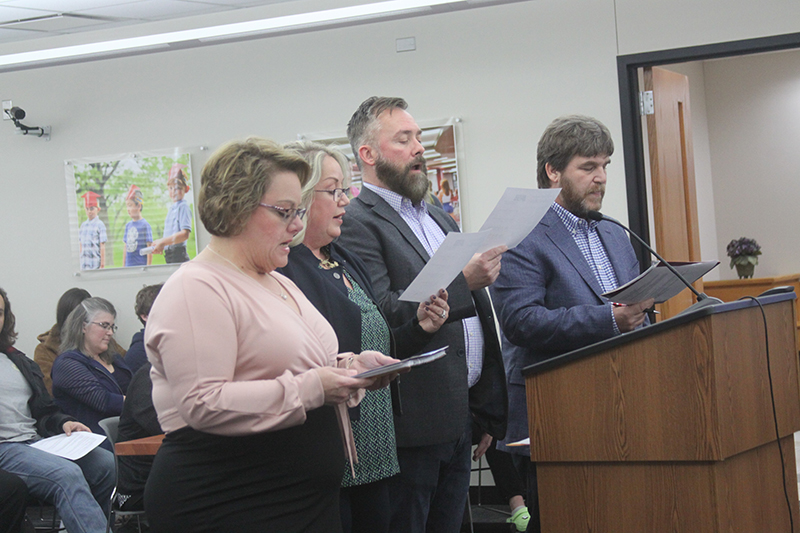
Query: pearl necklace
282	294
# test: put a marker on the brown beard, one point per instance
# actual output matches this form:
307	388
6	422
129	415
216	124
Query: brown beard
401	180
574	203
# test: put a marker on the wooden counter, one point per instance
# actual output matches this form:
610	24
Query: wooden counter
145	446
733	289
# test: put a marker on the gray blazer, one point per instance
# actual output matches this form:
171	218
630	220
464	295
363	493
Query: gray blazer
549	302
436	400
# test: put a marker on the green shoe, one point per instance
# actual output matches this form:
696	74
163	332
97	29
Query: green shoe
520	519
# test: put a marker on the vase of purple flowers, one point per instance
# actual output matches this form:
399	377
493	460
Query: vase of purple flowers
744	254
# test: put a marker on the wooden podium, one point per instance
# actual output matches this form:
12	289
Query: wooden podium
670	428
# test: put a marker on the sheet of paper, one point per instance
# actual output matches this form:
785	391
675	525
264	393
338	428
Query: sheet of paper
452	256
73	447
515	216
524	442
659	282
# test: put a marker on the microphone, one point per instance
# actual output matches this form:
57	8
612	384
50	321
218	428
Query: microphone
703	300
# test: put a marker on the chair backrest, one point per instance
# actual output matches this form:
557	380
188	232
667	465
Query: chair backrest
111	426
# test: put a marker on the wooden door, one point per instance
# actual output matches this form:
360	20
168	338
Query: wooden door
669	136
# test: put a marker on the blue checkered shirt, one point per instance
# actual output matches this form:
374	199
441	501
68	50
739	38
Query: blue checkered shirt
92	233
431	236
588	240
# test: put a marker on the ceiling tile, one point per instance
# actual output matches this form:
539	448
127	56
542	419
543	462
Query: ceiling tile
59	24
154	9
8	14
62	6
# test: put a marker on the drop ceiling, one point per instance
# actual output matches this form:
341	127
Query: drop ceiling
22	20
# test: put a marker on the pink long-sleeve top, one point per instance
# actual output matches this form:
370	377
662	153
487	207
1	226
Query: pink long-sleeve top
231	358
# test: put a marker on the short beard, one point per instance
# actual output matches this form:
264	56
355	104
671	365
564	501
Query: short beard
574	203
401	181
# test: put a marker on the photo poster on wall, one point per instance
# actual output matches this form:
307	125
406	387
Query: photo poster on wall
441	157
131	210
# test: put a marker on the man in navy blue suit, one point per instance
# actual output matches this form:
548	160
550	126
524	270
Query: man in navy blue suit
548	295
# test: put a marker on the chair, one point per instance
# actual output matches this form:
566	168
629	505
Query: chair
111	427
47	520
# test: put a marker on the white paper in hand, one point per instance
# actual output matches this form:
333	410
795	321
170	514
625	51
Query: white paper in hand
452	256
73	447
515	216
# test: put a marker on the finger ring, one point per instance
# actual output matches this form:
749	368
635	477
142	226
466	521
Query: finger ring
443	315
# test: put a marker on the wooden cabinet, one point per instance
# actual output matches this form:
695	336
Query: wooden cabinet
733	289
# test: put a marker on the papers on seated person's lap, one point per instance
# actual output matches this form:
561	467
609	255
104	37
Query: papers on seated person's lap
73	447
511	220
659	283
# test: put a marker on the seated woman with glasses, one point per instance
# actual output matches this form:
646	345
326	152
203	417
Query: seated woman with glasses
89	379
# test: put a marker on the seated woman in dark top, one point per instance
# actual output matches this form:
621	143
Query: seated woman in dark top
338	284
138	420
89	382
50	341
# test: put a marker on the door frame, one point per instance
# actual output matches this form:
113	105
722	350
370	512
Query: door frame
632	140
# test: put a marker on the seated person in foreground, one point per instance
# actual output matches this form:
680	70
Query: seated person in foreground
89	381
13	500
138	420
50	341
81	489
136	356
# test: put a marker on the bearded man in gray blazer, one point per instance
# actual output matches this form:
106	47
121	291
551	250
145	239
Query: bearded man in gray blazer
549	294
395	232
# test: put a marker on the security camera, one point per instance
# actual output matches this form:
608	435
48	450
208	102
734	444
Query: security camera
16	113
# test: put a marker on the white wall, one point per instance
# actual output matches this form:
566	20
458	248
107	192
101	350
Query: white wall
754	117
507	71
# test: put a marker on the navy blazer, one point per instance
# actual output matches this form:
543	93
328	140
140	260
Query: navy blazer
437	403
549	302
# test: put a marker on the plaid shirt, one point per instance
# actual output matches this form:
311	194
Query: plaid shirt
92	233
431	236
588	240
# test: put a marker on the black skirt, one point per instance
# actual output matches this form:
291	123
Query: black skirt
278	481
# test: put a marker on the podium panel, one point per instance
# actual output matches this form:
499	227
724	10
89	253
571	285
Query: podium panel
743	493
671	428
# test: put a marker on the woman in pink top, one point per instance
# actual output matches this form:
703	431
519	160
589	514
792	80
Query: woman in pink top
247	382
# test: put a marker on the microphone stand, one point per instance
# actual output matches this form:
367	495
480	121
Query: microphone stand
703	300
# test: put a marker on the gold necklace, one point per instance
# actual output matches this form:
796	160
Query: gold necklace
282	294
327	263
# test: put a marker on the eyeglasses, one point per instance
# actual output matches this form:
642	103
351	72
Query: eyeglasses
336	193
106	326
286	214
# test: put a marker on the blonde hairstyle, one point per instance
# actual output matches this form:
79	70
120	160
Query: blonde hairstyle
314	154
235	178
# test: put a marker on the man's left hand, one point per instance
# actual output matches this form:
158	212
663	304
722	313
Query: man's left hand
71	426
